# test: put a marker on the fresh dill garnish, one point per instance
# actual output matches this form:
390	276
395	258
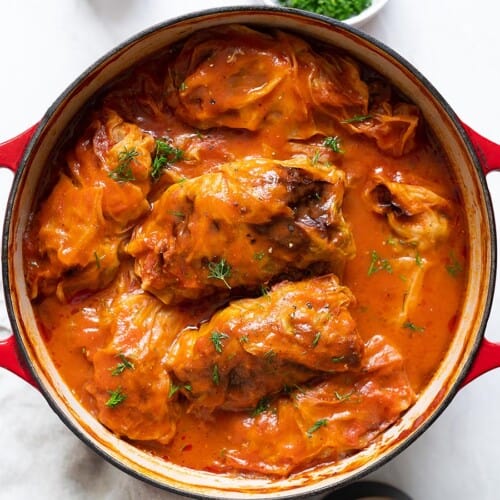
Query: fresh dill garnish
217	338
338	359
123	171
264	290
244	339
220	270
116	398
378	263
97	260
262	406
122	366
357	119
176	213
258	255
316	426
454	268
165	155
174	388
343	397
315	158
316	339
413	327
418	260
183	86
333	143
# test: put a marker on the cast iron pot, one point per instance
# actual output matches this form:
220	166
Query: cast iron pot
469	355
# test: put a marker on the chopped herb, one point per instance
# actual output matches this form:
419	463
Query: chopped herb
357	119
317	425
244	339
391	241
378	263
122	366
333	143
418	260
165	154
264	290
97	260
413	327
337	9
316	339
262	406
215	375
181	180
258	255
220	271
176	214
123	171
453	267
116	398
315	158
174	388
217	338
343	397
183	86
338	359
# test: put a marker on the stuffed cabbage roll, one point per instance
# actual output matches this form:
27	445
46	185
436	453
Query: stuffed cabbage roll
255	347
133	391
243	226
79	228
324	421
414	212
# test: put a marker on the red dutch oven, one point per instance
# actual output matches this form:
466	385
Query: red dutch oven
470	155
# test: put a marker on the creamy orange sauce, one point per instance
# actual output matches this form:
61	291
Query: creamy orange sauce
409	292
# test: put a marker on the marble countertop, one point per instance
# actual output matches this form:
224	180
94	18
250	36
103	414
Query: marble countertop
45	45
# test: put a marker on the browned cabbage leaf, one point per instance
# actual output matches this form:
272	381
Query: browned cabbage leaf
255	347
246	224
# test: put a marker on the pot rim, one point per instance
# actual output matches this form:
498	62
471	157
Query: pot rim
37	138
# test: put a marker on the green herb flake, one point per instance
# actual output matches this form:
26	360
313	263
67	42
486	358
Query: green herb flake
453	267
315	158
123	365
264	290
413	327
215	374
262	406
357	119
217	338
343	397
316	426
338	359
165	155
220	270
116	398
176	213
316	339
258	255
418	260
174	388
123	171
333	143
378	263
270	355
183	86
244	339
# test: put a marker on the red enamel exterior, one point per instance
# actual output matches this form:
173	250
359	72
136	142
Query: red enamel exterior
12	150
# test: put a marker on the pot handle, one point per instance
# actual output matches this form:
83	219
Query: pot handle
11	359
487	151
488	355
11	151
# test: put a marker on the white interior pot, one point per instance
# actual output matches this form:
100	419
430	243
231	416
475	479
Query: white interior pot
471	323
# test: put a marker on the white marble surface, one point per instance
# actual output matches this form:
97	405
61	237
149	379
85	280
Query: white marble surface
44	45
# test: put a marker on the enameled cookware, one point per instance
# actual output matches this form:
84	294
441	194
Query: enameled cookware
469	355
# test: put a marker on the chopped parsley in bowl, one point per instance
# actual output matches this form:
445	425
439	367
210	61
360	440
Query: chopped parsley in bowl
353	12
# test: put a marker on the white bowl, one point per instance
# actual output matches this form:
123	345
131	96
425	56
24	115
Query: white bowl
357	21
